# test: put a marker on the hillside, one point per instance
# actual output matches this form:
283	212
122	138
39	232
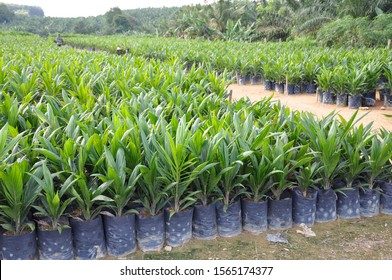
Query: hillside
26	10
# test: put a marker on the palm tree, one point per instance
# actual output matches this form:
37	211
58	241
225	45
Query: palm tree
280	18
363	8
219	13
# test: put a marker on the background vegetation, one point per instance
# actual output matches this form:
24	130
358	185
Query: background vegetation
347	22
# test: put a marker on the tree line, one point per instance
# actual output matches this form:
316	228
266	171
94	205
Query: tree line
329	21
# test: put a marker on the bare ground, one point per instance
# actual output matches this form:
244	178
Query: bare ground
308	102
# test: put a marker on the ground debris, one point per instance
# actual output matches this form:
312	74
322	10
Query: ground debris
168	248
305	230
276	238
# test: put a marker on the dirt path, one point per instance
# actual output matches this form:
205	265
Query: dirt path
308	102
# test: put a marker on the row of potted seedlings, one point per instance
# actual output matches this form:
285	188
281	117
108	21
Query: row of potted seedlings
181	164
355	86
122	235
352	85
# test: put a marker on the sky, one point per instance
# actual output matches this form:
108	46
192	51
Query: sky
85	8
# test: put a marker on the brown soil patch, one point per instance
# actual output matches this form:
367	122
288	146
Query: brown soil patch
308	102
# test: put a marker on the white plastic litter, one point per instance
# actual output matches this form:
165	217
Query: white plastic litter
306	231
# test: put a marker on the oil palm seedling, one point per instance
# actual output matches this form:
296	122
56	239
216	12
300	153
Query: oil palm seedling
372	75
178	169
53	199
305	195
152	193
310	71
90	199
325	141
19	193
376	155
205	148
54	232
119	229
339	85
356	84
324	82
354	165
122	182
230	187
289	157
175	163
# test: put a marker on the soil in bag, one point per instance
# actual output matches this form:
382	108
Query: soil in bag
150	232
204	222
354	101
178	227
89	238
268	85
386	204
304	208
229	221
280	214
326	206
19	247
329	98
386	188
55	245
120	234
342	100
254	216
369	201
348	204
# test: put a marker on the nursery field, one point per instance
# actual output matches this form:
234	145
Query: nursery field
105	154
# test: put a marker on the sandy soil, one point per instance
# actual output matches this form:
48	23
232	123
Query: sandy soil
308	102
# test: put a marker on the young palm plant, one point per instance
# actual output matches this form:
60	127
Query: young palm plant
205	149
352	154
377	156
122	182
18	194
90	199
176	165
230	162
354	164
119	229
304	197
178	169
287	158
54	233
308	178
53	199
152	194
89	192
325	138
